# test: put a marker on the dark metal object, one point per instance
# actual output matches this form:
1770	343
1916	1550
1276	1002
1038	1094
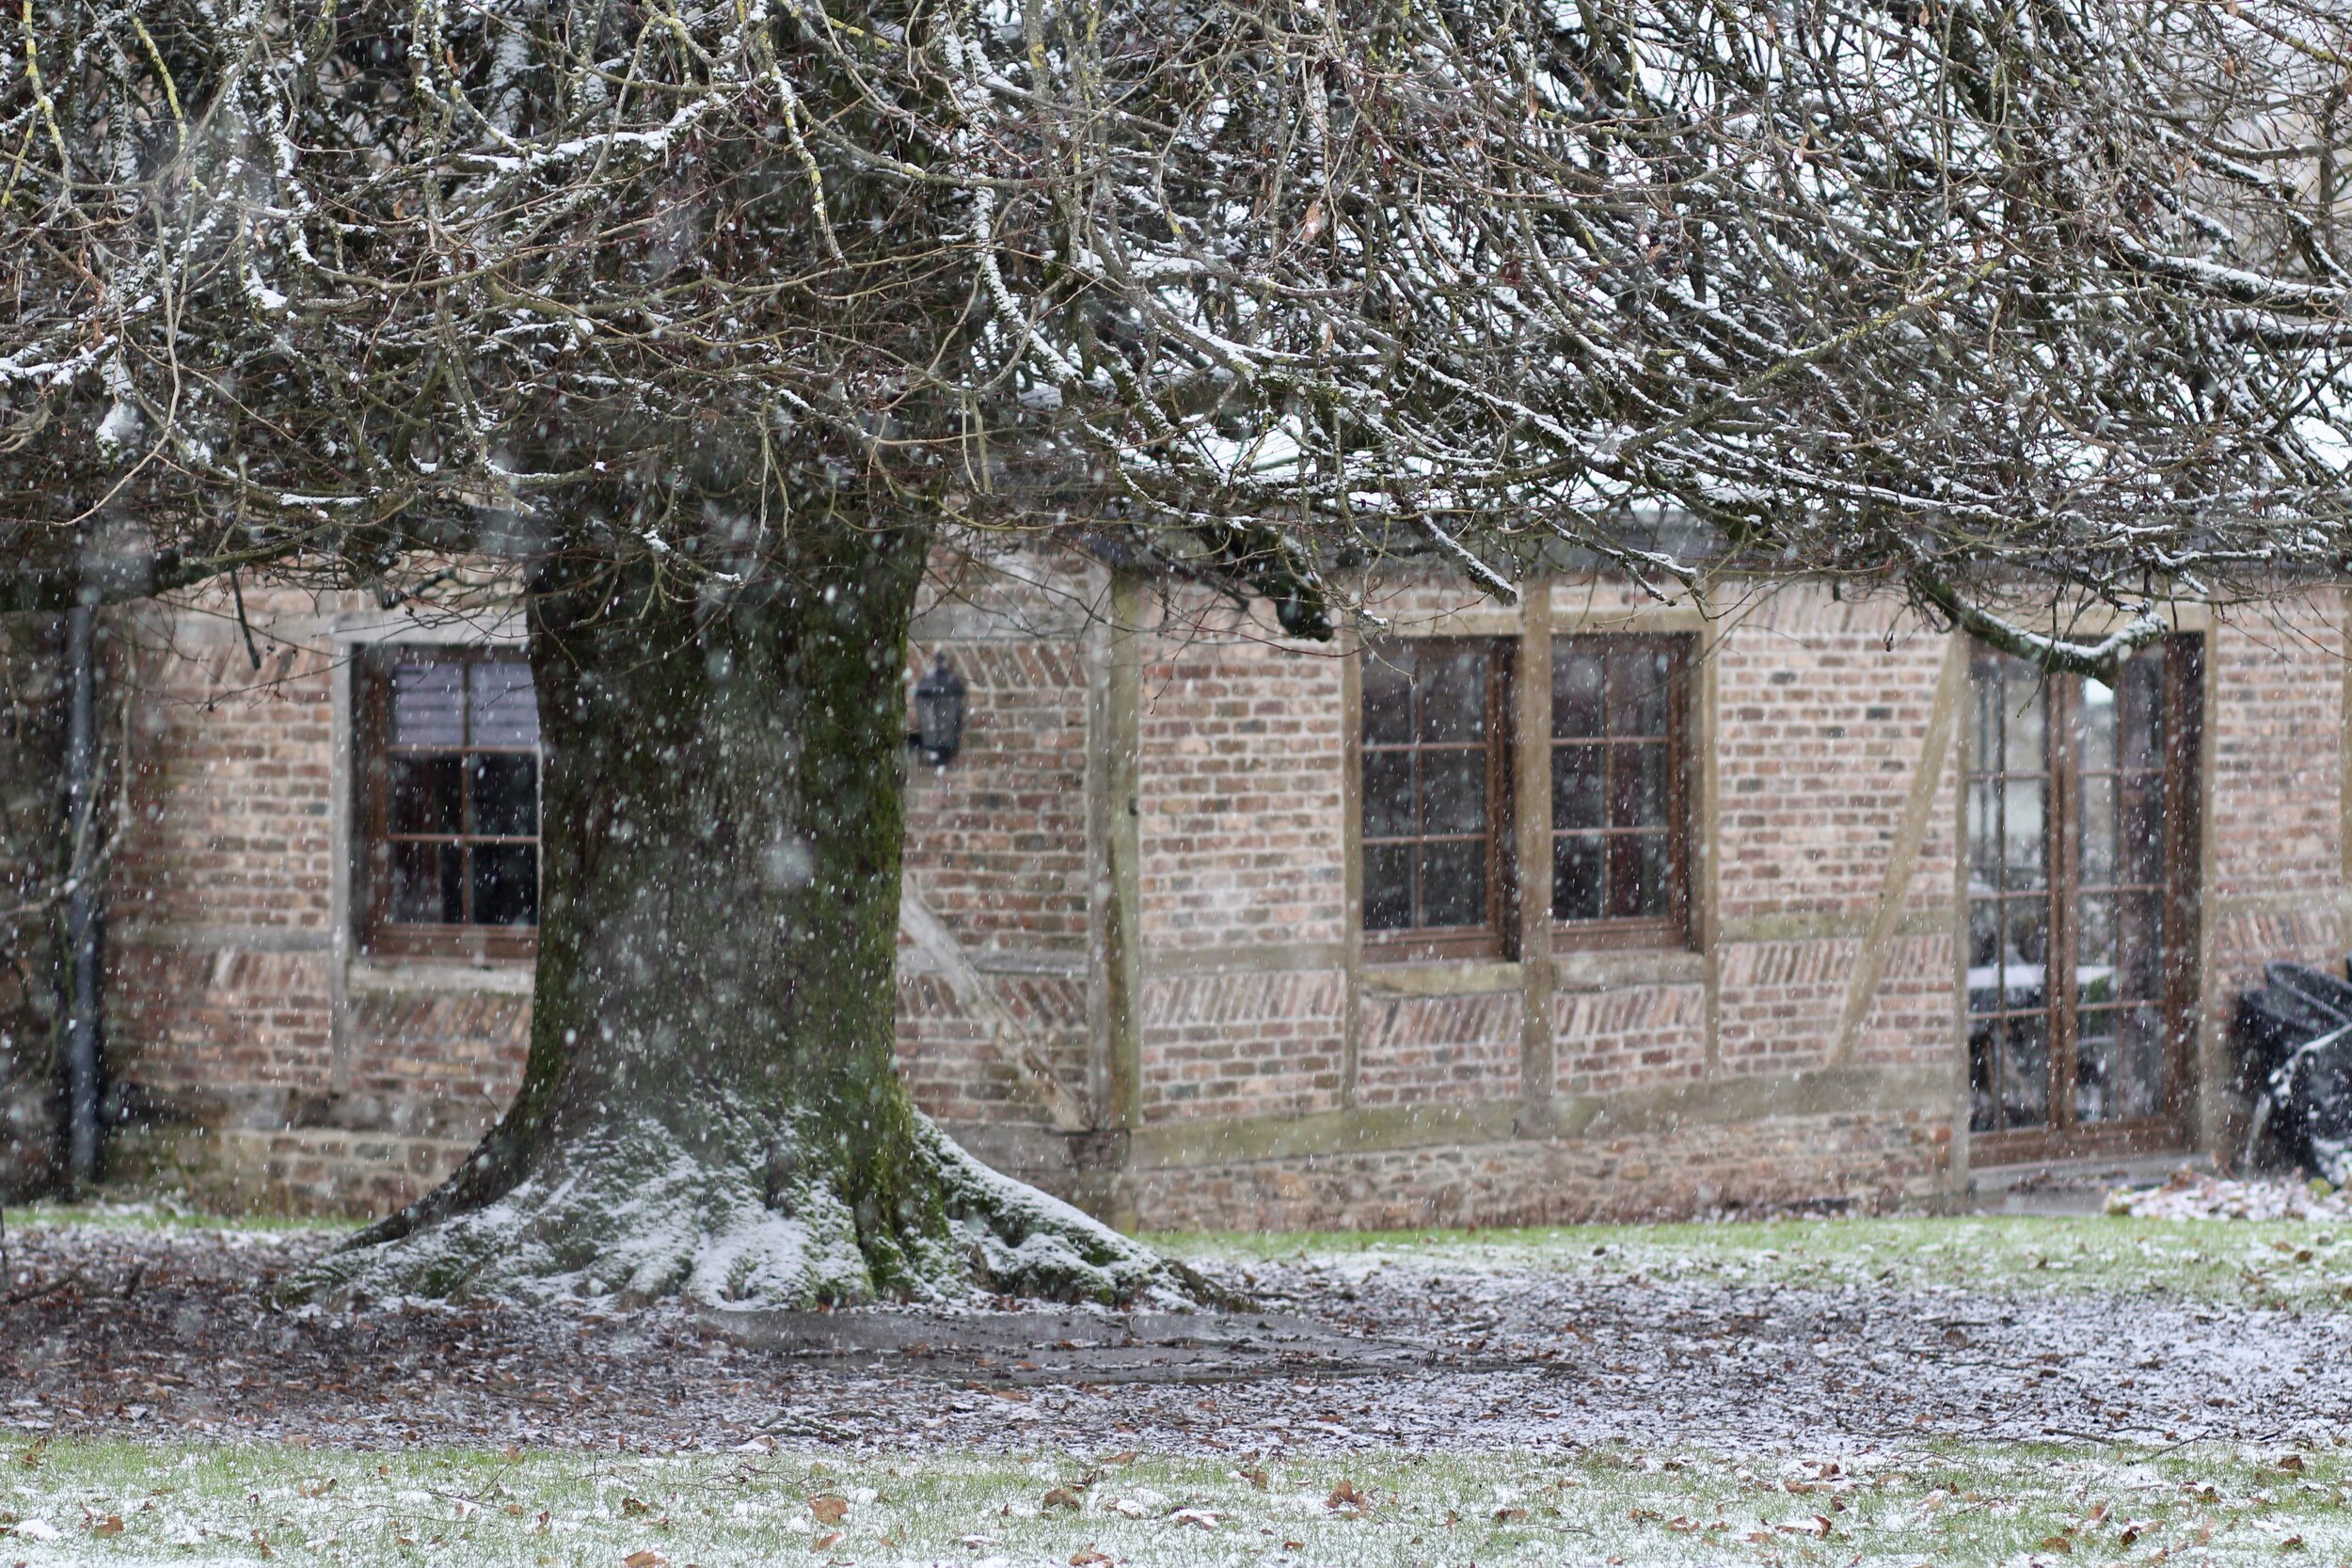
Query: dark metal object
938	731
84	1053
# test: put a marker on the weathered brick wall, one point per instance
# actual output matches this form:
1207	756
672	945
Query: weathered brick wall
1240	771
224	981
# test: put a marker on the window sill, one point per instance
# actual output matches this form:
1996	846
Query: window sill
384	973
1606	968
1440	977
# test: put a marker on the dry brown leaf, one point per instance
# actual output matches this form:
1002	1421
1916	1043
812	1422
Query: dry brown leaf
1345	1496
630	1508
1064	1497
110	1525
828	1508
1255	1478
1089	1557
647	1559
827	1541
1124	1457
2056	1544
1509	1515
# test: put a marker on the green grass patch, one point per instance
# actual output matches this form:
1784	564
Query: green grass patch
88	1503
147	1215
2270	1262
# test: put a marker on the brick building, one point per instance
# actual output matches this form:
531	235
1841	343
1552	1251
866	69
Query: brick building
1600	907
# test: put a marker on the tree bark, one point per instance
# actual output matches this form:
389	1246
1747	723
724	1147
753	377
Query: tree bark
711	1104
33	855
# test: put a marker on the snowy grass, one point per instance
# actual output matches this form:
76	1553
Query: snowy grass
2252	1262
154	1215
88	1503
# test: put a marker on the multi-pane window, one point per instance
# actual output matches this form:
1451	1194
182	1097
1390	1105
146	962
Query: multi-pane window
1618	781
2081	826
449	799
1436	793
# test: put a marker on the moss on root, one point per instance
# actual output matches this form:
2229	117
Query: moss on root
634	1214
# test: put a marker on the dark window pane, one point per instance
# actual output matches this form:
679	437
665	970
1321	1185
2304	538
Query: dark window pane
424	794
2139	720
1643	897
1984	1112
1389	887
1984	838
1576	786
1575	687
427	884
2026	1071
501	706
2095	943
1641	788
2136	1067
1388	794
1452	694
1454	792
1984	942
1388	697
2094	1065
1576	877
2027	921
2140	947
428	705
506	884
1637	691
1454	883
2140	829
505	796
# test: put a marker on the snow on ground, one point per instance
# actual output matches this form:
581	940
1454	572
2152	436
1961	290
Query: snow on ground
2192	1195
164	1334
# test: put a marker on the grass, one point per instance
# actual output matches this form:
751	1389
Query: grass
2267	1263
147	1214
90	1503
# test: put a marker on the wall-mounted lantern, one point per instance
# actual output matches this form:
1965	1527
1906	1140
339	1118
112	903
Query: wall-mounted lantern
938	714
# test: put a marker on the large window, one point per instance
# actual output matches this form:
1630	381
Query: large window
1618	786
1436	795
2081	861
1435	754
449	802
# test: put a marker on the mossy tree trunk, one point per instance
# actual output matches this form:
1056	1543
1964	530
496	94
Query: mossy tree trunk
710	1105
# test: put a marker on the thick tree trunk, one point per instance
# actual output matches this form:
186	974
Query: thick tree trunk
33	854
711	1105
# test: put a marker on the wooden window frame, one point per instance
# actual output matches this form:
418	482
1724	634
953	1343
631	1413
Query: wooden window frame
1672	929
1496	936
379	935
2064	1136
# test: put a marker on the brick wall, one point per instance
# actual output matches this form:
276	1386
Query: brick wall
1350	1093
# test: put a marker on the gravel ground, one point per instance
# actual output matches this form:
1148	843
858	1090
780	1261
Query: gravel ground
165	1334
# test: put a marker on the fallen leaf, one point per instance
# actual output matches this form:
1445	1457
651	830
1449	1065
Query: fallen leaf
1014	1395
1063	1496
2056	1544
2292	1543
1345	1496
1200	1518
1255	1478
647	1559
828	1508
318	1488
827	1541
1293	1546
110	1525
1087	1558
1127	1457
2291	1462
1815	1525
630	1508
1509	1515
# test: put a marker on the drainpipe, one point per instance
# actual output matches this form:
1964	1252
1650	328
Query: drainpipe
82	1062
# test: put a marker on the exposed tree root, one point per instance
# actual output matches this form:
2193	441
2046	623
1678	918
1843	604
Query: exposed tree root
732	1216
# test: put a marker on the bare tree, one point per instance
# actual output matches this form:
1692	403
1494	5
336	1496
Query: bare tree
714	319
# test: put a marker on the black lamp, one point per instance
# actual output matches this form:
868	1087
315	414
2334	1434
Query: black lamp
938	714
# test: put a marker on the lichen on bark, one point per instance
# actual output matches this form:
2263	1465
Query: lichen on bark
710	1105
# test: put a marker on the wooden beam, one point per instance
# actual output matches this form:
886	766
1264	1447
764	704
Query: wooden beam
1012	1042
1862	986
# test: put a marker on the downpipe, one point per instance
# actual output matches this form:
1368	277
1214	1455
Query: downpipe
84	1048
